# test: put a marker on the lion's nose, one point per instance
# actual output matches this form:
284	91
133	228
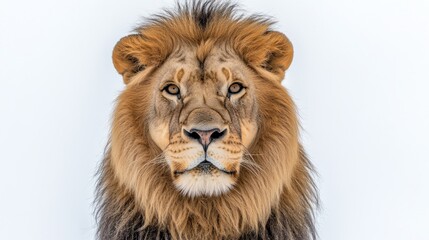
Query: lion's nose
205	137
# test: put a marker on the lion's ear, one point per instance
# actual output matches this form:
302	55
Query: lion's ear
134	53
274	56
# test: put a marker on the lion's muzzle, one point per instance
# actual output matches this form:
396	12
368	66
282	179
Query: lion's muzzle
205	155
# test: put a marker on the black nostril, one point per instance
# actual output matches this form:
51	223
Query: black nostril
192	134
217	134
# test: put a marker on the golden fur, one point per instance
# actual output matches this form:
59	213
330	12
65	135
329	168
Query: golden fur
270	194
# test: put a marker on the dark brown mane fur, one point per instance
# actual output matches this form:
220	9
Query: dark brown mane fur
278	203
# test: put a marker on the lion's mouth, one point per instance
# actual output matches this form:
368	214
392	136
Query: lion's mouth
205	167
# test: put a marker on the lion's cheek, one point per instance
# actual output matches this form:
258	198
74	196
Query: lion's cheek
248	132
180	159
159	133
227	158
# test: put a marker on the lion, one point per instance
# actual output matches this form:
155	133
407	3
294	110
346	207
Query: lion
204	141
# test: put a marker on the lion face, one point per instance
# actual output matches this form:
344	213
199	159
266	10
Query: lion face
204	119
194	93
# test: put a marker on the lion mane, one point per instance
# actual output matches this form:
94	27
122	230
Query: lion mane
273	198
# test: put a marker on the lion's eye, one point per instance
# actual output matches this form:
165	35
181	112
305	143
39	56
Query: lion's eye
235	88
172	89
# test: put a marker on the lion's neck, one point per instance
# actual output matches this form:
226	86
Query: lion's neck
113	226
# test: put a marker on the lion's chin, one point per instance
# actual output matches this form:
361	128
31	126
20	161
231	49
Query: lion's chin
195	184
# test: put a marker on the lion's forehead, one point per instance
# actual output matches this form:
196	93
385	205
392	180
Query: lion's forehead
188	66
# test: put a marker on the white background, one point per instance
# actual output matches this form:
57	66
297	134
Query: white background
360	79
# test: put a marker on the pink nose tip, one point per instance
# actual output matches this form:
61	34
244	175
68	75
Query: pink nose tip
205	137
